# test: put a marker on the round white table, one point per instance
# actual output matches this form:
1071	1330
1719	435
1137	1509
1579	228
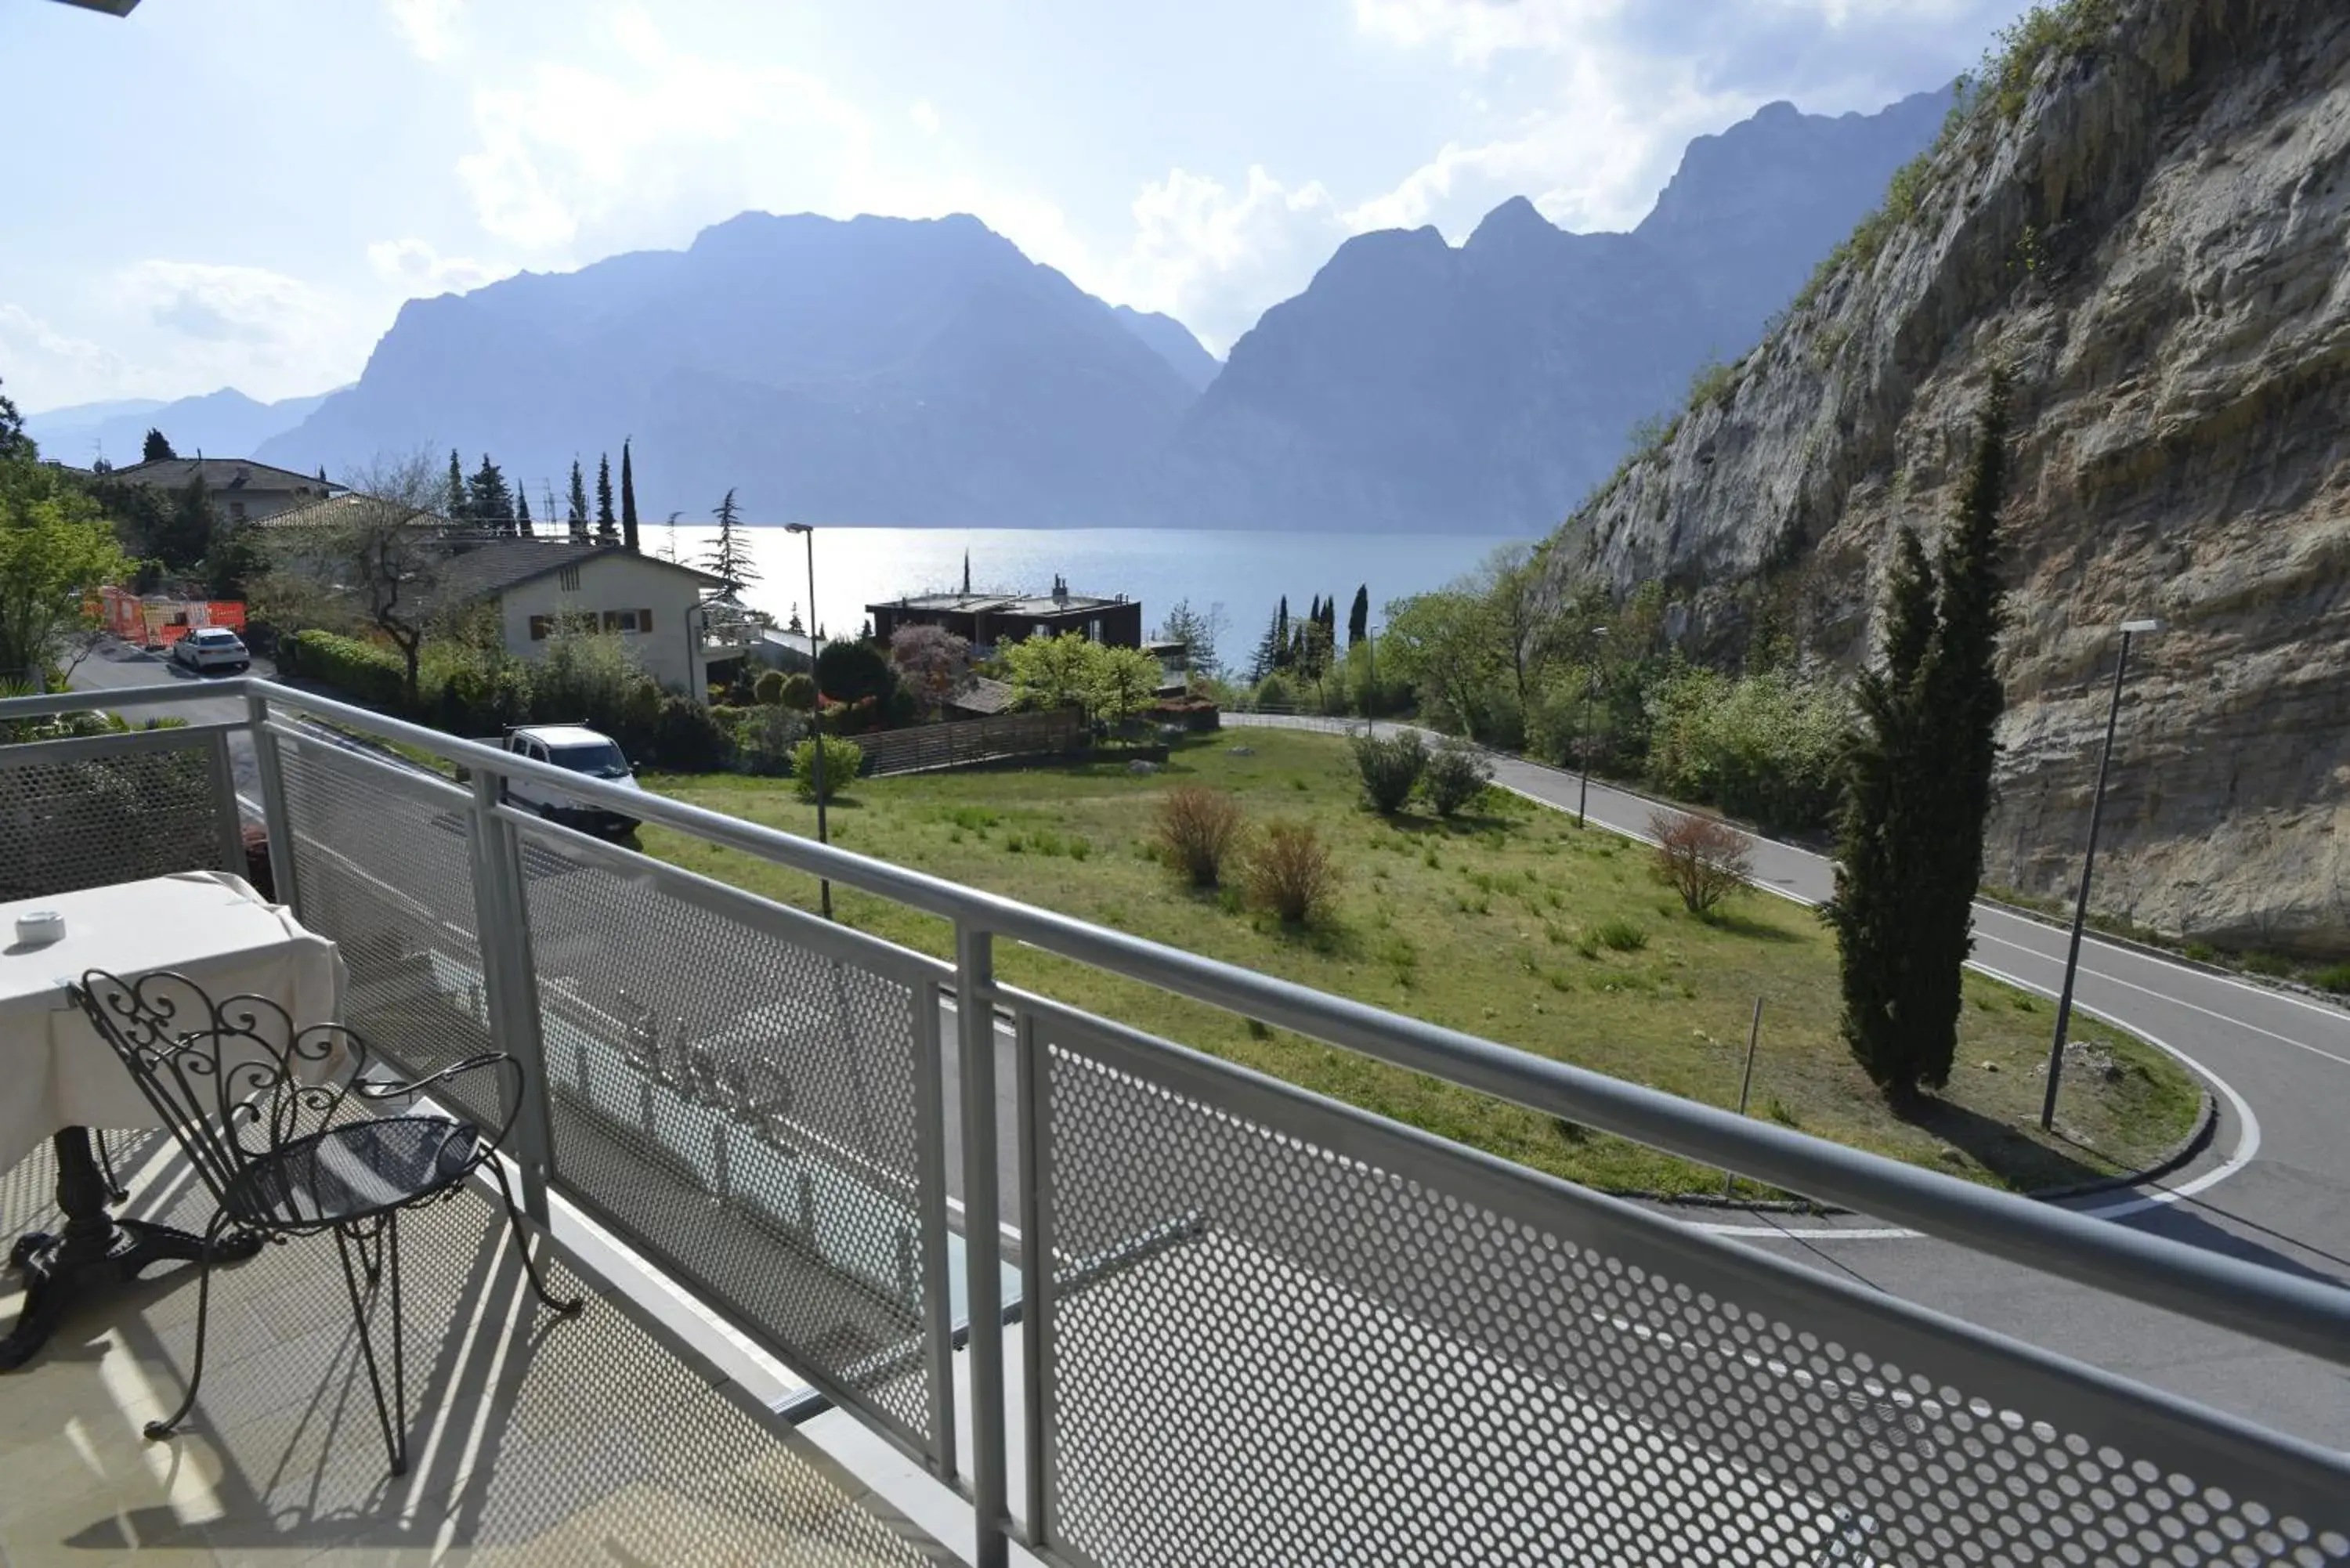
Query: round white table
63	1079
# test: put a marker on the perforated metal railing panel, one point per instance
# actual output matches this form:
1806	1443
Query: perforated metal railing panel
734	1087
74	815
1284	1332
382	863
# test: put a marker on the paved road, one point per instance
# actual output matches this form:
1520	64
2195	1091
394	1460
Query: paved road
119	667
2275	1187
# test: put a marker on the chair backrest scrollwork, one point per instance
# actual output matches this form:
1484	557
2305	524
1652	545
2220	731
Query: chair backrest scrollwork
236	1080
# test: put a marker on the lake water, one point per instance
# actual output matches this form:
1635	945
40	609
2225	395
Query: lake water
1246	574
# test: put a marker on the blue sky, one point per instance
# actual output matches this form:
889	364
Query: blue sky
242	192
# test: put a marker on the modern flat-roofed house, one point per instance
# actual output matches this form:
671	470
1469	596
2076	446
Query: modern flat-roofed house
244	490
986	620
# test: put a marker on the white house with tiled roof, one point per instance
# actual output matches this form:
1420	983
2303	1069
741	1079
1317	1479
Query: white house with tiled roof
244	490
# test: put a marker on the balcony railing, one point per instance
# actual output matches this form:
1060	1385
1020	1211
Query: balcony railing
1252	1324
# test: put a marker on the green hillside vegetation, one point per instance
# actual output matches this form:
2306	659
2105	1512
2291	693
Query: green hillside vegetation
1505	921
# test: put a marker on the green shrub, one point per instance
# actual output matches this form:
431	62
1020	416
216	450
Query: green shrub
848	672
2334	977
767	691
764	738
2201	953
1621	935
1455	774
362	672
687	738
799	691
1766	747
1273	691
842	761
1390	765
2274	965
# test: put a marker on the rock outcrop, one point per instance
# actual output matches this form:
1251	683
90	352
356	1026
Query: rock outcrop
2148	224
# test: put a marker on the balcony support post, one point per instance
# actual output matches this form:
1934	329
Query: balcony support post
1036	1364
510	983
983	1248
276	821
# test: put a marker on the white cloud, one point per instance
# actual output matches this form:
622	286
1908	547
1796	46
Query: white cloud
419	269
1214	257
428	27
925	116
579	154
48	368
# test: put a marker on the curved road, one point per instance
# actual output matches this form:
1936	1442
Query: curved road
2274	1189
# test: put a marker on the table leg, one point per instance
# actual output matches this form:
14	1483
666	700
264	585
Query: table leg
94	1253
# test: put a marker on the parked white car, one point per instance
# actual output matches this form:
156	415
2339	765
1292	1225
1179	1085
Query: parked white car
582	750
212	648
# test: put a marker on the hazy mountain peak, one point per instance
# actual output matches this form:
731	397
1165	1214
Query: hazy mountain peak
1514	219
1172	341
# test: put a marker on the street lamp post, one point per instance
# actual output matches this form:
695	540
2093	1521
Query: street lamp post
823	884
2088	864
1590	685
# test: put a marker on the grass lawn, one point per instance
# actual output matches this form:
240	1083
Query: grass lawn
1510	923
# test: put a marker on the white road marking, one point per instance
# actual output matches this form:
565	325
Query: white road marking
2175	1002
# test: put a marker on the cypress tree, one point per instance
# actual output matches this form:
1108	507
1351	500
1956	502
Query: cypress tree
607	527
628	501
155	449
455	503
1960	698
1281	653
522	510
322	473
577	519
1878	831
1918	789
1358	619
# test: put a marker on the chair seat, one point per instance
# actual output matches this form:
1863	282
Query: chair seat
354	1169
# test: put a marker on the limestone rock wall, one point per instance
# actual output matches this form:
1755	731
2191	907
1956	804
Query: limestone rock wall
2158	246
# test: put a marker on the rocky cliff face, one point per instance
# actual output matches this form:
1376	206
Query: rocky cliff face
2152	231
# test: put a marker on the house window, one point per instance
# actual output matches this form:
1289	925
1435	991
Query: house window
237	511
1042	630
567	579
628	620
1093	630
539	627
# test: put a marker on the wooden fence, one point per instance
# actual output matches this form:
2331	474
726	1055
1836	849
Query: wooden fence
970	741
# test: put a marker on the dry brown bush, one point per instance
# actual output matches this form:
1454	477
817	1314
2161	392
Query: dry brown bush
1197	829
1290	873
1702	858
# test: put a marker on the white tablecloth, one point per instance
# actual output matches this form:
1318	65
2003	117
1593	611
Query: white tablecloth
55	1071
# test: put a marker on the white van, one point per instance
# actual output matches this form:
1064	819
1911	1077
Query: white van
582	750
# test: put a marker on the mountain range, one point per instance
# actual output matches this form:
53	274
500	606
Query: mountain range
225	423
925	372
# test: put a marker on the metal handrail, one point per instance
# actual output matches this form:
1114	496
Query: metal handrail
2304	1314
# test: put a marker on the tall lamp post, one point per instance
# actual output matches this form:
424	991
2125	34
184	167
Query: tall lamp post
2129	629
823	884
1590	685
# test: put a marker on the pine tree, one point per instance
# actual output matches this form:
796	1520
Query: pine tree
521	511
1267	658
1358	619
608	527
322	474
628	503
454	504
156	449
488	501
730	555
577	518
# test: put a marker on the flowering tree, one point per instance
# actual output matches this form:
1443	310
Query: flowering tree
931	662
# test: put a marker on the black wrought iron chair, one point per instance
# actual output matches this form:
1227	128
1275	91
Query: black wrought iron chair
270	1113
